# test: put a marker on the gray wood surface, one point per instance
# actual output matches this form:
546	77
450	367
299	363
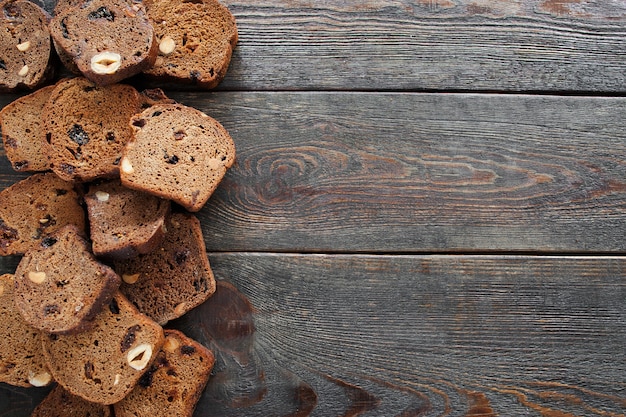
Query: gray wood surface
389	172
516	45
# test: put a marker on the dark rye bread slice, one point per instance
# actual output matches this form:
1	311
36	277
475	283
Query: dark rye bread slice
25	46
108	40
102	365
174	383
174	278
60	403
34	207
196	41
22	131
60	287
21	356
178	153
123	222
86	128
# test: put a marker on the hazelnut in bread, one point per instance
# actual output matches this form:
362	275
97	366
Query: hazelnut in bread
178	153
103	364
60	286
34	207
21	356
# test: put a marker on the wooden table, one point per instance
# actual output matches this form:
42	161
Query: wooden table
427	213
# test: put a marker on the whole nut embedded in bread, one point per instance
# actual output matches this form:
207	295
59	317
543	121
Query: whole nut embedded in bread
167	45
24	46
139	356
23	71
170	345
130	278
126	166
106	62
37	276
102	196
39	380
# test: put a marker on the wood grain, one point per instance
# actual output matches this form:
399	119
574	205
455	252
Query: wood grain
415	336
521	45
337	172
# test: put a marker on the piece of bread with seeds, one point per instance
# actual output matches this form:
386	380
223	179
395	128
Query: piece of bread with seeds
196	41
34	207
123	222
22	131
109	40
177	152
60	403
86	128
25	46
60	287
21	356
172	279
174	383
102	365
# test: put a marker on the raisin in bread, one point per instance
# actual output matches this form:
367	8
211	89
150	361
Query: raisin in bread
177	152
22	131
21	357
196	41
34	207
25	46
172	279
60	287
108	40
86	128
173	384
123	222
60	403
102	365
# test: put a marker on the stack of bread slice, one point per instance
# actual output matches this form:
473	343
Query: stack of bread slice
105	222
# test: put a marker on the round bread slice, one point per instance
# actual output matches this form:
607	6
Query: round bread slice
178	153
25	46
102	365
34	207
174	278
174	383
60	287
21	356
196	41
123	222
86	128
22	131
60	403
109	40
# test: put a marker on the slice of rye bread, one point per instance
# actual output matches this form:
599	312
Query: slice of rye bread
178	153
21	356
25	46
109	40
151	96
86	128
174	278
22	131
196	41
174	383
123	222
102	365
60	403
60	287
34	207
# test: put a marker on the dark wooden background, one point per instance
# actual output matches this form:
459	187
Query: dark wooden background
427	213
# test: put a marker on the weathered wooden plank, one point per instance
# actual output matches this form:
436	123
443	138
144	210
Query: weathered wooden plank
522	45
339	335
397	172
412	172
